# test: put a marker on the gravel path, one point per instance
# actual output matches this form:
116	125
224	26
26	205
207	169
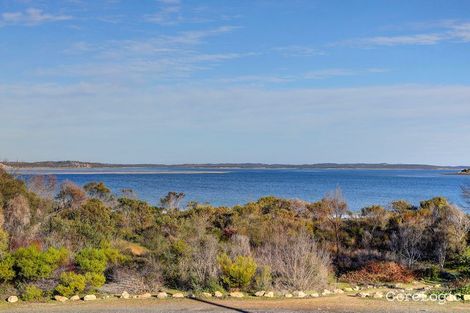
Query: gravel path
334	304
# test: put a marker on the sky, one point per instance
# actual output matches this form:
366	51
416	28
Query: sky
186	81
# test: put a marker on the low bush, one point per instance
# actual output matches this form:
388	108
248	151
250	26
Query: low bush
71	284
379	272
91	260
237	273
6	268
95	280
32	263
32	293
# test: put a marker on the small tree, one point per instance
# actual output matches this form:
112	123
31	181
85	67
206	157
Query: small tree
237	273
172	200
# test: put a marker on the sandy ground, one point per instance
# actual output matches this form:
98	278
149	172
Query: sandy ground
337	303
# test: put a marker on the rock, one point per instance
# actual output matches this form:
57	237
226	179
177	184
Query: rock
236	294
269	294
466	297
218	294
125	295
356	288
288	295
299	294
75	298
326	292
12	299
89	298
338	291
362	295
260	293
206	295
144	296
60	298
437	286
314	295
451	298
348	289
178	295
162	295
378	295
369	287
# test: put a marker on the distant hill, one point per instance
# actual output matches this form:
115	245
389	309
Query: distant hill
79	164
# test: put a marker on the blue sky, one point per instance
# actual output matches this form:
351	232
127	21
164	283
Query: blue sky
235	81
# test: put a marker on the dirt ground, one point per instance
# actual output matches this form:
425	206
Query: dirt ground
337	303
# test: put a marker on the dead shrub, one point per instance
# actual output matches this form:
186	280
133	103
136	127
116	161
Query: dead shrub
379	272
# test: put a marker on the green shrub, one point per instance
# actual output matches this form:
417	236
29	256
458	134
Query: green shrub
33	264
92	260
32	293
95	280
70	284
238	273
6	268
263	279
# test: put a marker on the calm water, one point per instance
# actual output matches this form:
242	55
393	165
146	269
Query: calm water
236	186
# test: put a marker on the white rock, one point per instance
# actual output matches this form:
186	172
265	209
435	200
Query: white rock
206	295
125	295
89	298
144	296
162	295
314	295
60	298
75	298
260	293
451	298
378	295
326	292
178	295
338	291
269	294
299	294
12	299
466	297
236	294
218	294
288	295
362	295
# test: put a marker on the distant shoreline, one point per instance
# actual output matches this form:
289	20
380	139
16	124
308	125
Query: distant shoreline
93	165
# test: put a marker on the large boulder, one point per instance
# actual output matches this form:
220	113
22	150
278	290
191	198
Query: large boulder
12	299
325	292
125	295
260	293
89	298
338	291
466	297
288	295
314	295
218	294
75	298
451	298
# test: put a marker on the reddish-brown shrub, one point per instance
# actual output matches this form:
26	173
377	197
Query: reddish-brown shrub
379	272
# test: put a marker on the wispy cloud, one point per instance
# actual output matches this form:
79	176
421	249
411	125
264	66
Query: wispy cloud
308	75
164	57
298	51
444	31
30	17
169	13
